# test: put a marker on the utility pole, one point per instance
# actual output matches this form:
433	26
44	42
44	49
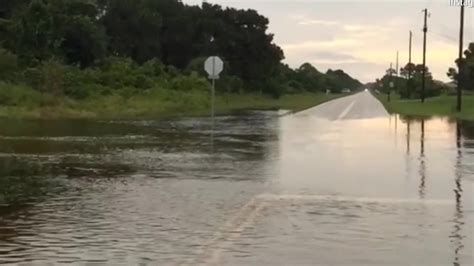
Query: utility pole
423	79
396	65
409	66
397	73
460	69
390	83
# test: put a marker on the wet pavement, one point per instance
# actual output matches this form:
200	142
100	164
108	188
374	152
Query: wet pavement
342	187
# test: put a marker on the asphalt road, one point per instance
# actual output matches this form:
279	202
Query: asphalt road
358	106
355	186
343	183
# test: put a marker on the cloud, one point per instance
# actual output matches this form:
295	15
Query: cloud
321	45
313	22
360	36
334	55
327	57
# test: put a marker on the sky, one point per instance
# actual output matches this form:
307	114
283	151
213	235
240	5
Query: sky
361	36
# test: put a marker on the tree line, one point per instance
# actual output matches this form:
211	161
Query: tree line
465	72
76	47
408	83
411	87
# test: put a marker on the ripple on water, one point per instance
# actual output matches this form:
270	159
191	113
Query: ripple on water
157	192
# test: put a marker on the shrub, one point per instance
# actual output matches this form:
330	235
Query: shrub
197	65
188	83
33	78
14	95
230	84
8	65
117	72
53	73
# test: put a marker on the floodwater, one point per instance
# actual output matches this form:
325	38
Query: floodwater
258	190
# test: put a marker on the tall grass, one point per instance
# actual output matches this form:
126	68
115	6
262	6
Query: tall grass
24	102
437	106
19	95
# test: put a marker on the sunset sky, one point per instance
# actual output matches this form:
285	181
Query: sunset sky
361	37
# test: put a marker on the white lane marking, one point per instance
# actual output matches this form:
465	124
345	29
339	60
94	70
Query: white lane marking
230	232
233	229
346	111
325	104
275	197
214	257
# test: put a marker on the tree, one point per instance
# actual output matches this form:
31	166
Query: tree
466	64
391	72
67	29
405	71
133	27
247	46
8	65
86	35
339	80
83	38
310	78
8	7
432	89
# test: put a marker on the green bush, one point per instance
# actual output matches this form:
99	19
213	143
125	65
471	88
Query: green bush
16	95
188	83
197	65
118	72
33	77
53	73
154	68
230	84
8	65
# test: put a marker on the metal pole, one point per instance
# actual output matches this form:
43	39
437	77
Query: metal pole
409	66
396	73
460	69
396	65
423	78
213	99
390	83
213	123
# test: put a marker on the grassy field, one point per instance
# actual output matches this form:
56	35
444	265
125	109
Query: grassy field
156	103
436	106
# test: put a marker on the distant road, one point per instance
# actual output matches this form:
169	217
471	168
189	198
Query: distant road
358	106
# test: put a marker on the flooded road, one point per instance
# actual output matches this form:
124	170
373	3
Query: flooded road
343	187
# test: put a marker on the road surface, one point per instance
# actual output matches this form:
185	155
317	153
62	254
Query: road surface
343	183
358	106
355	187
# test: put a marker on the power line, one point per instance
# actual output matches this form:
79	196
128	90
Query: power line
445	37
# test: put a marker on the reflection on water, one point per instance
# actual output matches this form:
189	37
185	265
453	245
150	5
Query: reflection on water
253	189
459	221
361	161
422	161
125	191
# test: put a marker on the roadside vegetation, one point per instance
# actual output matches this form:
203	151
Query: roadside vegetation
444	105
153	103
440	97
121	58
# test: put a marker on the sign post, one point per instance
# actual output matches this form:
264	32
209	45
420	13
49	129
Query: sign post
213	66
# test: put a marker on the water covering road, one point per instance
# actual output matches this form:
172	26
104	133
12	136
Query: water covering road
340	184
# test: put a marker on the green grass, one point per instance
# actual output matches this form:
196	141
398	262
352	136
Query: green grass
292	102
154	103
437	106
